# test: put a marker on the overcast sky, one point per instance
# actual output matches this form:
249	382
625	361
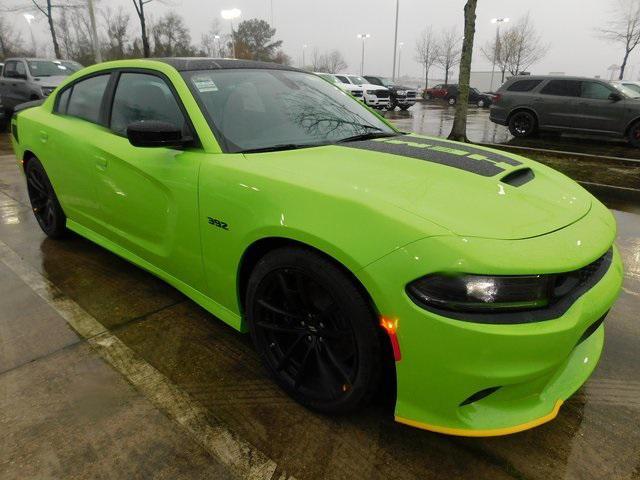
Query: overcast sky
568	26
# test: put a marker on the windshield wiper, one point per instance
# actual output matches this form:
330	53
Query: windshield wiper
281	146
368	136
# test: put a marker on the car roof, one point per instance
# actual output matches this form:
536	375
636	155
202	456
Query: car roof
184	64
552	77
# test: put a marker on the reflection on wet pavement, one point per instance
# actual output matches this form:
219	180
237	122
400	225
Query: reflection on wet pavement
54	386
436	118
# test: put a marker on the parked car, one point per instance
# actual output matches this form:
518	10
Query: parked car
630	84
403	97
355	90
436	92
346	248
374	95
567	104
450	94
25	79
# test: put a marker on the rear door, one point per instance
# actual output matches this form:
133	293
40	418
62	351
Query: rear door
14	84
149	196
557	103
597	111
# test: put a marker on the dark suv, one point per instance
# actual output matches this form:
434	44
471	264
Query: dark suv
567	104
403	97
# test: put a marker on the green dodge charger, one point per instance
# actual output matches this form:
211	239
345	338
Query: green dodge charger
474	281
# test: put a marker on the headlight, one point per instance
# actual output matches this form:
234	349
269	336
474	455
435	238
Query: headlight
482	293
370	92
46	91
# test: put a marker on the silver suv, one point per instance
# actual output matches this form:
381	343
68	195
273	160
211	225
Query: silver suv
26	79
567	104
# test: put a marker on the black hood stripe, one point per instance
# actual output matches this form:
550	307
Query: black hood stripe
456	155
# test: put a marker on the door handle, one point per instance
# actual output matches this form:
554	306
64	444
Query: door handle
101	163
44	136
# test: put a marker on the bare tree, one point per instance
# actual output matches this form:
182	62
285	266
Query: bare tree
47	8
449	47
499	50
117	27
10	40
527	46
75	36
317	60
427	52
459	130
334	61
142	17
211	45
624	28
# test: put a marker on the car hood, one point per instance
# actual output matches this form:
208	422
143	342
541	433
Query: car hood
50	81
468	190
371	86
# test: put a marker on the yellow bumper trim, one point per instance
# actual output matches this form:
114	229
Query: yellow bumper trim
494	432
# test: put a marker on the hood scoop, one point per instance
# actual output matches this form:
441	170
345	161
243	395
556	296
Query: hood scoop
519	177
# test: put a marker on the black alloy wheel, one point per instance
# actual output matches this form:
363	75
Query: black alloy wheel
314	330
522	124
634	135
44	202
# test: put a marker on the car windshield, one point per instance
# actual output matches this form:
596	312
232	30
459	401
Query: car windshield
387	82
71	65
357	80
261	109
48	68
629	89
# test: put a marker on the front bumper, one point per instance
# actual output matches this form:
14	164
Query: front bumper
375	101
535	365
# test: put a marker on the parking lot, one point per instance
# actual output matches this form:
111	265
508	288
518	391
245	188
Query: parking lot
108	372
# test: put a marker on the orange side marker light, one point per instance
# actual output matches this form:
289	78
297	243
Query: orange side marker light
391	326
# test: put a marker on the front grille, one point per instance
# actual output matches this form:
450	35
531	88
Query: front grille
381	93
411	94
357	93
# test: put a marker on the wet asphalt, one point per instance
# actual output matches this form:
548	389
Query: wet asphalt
155	387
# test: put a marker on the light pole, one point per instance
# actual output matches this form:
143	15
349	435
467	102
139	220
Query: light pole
30	18
395	41
230	15
94	33
363	37
399	56
304	47
496	50
216	40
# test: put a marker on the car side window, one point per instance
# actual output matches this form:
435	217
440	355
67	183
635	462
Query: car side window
86	98
63	101
596	91
20	68
10	69
563	88
342	79
142	96
523	85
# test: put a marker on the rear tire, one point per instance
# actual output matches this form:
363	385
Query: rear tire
44	201
523	124
634	134
314	330
405	107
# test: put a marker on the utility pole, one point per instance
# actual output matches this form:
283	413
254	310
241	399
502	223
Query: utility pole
97	54
399	57
395	41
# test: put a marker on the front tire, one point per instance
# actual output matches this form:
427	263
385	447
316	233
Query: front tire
634	135
44	201
523	124
481	103
314	330
404	108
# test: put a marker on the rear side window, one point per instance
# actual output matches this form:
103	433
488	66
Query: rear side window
86	98
140	96
563	88
63	101
523	85
9	69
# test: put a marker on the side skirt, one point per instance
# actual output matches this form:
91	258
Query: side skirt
197	296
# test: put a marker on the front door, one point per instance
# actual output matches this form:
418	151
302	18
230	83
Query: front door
597	111
149	196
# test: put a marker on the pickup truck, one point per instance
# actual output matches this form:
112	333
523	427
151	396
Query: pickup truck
402	97
27	79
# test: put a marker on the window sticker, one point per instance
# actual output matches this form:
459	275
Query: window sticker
204	83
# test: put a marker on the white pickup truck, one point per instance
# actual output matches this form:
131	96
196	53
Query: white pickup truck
374	95
355	90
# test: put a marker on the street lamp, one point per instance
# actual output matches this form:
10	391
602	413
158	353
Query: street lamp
30	18
496	50
304	47
216	39
395	41
363	37
231	15
399	56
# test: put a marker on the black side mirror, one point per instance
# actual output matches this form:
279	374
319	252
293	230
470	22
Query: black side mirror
152	133
615	97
